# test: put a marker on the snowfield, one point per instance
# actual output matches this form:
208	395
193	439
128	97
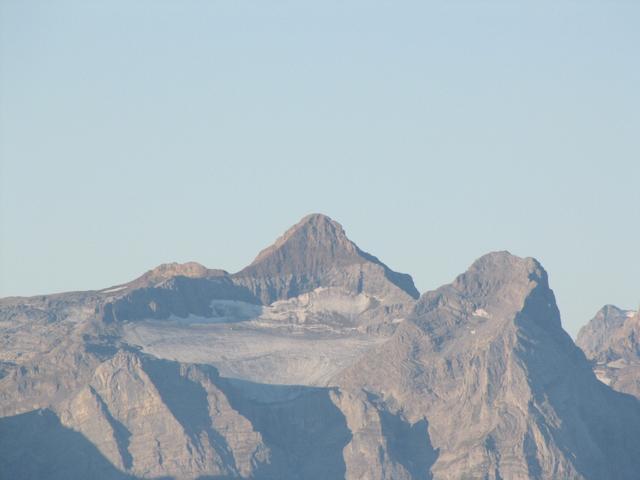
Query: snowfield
301	341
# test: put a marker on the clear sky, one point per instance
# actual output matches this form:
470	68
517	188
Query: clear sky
139	132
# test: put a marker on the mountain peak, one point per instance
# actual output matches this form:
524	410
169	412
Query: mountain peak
502	267
610	333
316	252
499	287
316	219
502	272
316	234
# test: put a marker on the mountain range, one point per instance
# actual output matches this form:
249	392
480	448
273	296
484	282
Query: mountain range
317	361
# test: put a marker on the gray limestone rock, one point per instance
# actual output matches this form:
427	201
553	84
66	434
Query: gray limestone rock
595	338
505	391
178	296
317	253
333	370
611	341
154	418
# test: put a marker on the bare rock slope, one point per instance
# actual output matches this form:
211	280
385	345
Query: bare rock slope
316	361
317	253
611	341
504	390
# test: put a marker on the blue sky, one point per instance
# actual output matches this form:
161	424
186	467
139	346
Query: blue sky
139	132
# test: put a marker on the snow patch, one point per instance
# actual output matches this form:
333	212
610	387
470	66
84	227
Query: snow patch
631	314
322	304
326	299
253	351
304	340
481	312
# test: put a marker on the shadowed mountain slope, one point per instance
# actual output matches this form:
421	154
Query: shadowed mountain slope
36	445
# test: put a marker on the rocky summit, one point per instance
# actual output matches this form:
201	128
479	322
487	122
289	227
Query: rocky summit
317	253
611	341
317	361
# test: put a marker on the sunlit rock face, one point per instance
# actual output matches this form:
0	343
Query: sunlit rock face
317	253
317	361
611	341
504	390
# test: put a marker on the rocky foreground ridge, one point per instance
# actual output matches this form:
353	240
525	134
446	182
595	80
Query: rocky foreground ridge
317	361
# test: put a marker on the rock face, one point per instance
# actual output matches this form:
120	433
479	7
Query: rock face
315	362
153	417
171	289
504	390
177	296
317	253
600	334
140	417
611	341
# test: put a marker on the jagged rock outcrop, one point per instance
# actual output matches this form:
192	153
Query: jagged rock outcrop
505	391
141	417
601	333
317	253
153	418
611	341
383	444
49	347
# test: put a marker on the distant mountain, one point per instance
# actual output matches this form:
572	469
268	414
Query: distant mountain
611	340
601	334
318	362
317	253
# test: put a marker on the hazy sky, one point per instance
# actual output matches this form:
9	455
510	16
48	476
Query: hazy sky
139	132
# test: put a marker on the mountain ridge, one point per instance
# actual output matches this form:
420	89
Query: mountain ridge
331	370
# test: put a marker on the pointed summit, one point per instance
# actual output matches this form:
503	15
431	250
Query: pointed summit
597	338
315	253
314	242
611	341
